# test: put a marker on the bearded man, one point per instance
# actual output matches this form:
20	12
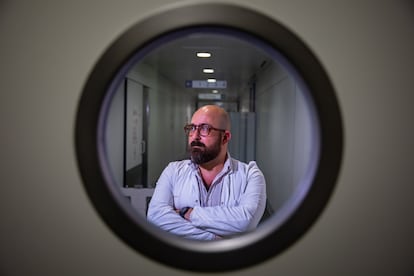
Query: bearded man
212	195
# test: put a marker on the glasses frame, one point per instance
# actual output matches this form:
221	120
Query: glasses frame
190	132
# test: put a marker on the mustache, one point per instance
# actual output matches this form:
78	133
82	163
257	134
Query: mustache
197	144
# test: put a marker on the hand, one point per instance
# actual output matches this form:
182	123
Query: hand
187	214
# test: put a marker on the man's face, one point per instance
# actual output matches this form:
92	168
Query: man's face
204	148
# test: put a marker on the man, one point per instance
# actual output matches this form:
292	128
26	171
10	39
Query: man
212	195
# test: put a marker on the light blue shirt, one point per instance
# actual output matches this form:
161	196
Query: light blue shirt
234	203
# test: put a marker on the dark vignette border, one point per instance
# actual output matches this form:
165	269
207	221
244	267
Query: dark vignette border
191	257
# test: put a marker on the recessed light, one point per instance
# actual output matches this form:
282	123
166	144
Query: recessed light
203	54
208	70
214	91
211	80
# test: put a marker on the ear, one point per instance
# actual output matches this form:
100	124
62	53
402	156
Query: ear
226	136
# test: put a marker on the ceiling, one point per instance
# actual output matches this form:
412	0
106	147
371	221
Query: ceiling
233	59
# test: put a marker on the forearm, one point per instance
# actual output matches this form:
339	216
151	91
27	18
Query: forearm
168	219
226	221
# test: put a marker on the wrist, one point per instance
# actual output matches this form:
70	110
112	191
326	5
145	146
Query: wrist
183	211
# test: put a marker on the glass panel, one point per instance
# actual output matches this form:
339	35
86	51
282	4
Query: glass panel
272	113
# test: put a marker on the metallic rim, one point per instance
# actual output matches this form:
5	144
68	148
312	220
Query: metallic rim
196	256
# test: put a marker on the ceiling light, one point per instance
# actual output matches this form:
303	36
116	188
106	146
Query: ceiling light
211	80
208	70
214	91
203	54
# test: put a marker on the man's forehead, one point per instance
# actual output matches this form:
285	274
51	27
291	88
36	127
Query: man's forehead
204	116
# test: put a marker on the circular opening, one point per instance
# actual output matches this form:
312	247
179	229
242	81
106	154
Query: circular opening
289	87
289	100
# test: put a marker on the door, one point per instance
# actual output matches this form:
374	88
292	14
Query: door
135	143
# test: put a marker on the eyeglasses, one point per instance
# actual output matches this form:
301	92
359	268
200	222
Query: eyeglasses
204	129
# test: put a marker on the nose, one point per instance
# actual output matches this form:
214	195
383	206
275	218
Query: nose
196	134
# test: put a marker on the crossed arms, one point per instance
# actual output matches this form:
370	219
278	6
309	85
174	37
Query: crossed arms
242	204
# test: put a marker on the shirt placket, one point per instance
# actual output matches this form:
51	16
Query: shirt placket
206	196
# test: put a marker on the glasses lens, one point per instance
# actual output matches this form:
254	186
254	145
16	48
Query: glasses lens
204	129
189	129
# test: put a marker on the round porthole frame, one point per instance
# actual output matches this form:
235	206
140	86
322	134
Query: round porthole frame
207	256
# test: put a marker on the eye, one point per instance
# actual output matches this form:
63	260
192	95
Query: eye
205	128
190	127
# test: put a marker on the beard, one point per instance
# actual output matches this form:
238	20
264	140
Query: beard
201	154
